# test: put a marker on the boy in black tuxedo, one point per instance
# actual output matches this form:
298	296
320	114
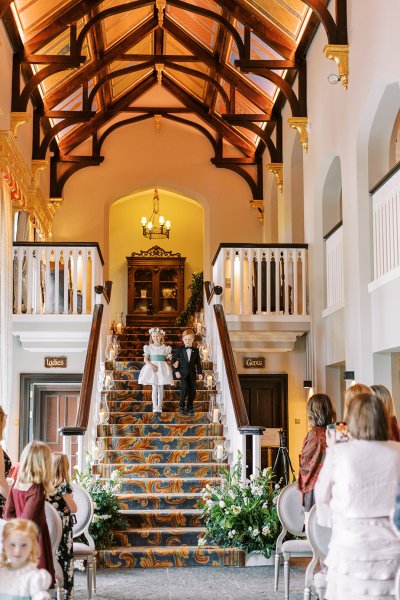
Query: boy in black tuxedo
187	364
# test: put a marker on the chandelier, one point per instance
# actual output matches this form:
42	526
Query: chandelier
156	226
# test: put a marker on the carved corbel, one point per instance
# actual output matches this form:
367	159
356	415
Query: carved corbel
53	204
37	167
300	123
159	68
160	5
17	119
277	170
259	205
339	53
157	119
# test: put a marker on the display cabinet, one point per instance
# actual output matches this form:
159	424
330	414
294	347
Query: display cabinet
155	284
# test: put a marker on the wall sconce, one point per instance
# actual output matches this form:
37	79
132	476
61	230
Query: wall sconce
348	376
307	384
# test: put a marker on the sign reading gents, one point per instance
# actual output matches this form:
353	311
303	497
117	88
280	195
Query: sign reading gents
254	362
55	362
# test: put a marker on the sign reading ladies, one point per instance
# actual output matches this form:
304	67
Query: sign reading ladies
254	362
55	362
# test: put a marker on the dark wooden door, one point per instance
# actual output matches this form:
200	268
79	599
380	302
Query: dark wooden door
54	408
266	402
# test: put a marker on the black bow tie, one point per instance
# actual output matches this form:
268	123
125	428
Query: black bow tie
188	348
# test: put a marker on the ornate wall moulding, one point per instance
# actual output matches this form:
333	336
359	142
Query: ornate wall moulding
259	205
300	123
277	170
17	119
339	53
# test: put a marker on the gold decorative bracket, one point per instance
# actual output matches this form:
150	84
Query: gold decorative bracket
37	167
53	204
339	53
17	119
277	170
159	68
161	5
157	119
300	123
259	205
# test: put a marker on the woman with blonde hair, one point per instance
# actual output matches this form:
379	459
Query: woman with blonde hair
5	464
19	575
358	481
353	391
383	394
28	494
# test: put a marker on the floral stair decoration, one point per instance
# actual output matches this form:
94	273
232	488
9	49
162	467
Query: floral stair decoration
167	460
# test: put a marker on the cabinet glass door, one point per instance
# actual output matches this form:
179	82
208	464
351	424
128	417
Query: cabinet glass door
168	300
143	291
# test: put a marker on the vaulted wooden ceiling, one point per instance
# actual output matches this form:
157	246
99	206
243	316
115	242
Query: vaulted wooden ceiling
224	67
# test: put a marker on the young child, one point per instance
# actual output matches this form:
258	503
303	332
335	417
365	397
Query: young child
19	575
28	494
156	371
187	364
320	413
65	505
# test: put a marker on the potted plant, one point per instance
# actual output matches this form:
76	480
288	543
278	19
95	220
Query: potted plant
241	515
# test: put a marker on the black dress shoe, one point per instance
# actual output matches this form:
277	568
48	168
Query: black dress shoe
190	412
182	411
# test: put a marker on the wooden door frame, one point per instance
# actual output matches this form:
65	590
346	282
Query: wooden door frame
273	377
28	382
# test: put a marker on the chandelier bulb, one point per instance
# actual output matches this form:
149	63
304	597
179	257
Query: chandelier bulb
168	225
161	220
149	225
144	221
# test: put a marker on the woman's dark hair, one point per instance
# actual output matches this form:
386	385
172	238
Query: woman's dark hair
367	418
320	410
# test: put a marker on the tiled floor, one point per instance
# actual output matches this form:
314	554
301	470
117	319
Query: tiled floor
225	583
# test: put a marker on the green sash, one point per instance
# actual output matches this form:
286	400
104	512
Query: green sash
158	357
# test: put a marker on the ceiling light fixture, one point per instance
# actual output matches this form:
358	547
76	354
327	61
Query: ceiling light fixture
156	226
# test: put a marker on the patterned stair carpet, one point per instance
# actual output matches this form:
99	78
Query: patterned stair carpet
167	460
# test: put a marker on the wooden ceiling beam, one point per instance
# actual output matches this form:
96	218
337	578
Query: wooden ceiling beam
92	68
99	48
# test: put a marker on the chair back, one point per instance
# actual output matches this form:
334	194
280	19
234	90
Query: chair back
84	514
54	525
2	523
290	510
397	585
319	537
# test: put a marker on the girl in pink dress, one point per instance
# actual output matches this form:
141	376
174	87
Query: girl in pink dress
28	494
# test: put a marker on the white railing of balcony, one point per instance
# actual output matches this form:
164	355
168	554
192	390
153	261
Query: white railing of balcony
334	269
266	279
386	224
56	279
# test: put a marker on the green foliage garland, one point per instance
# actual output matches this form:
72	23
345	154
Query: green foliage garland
242	515
107	517
195	301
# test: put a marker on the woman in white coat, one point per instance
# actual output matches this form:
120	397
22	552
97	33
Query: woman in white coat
358	482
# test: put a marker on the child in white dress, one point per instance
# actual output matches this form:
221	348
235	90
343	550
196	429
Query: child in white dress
19	576
156	371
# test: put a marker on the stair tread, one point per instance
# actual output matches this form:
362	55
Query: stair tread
166	529
166	495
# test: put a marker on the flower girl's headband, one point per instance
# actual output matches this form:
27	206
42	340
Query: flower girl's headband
156	330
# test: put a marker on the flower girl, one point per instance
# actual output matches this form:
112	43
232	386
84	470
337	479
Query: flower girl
156	371
19	575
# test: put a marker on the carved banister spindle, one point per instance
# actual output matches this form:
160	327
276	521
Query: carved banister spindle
66	271
303	281
259	271
232	275
92	294
56	280
85	260
38	291
75	257
20	255
277	281
241	281
250	257
47	255
29	280
286	267
268	281
295	282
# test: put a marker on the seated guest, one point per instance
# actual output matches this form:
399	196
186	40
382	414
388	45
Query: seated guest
358	480
383	394
320	413
5	464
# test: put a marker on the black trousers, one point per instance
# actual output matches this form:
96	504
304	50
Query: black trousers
188	388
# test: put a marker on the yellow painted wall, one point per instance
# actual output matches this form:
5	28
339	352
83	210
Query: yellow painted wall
125	236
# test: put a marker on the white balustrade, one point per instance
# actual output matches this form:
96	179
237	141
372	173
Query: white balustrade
55	279
262	280
386	226
334	269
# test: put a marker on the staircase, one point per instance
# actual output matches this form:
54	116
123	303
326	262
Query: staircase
168	460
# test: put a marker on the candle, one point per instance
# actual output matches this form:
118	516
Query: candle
205	353
96	453
102	416
209	381
107	381
215	415
199	327
112	353
119	327
220	451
